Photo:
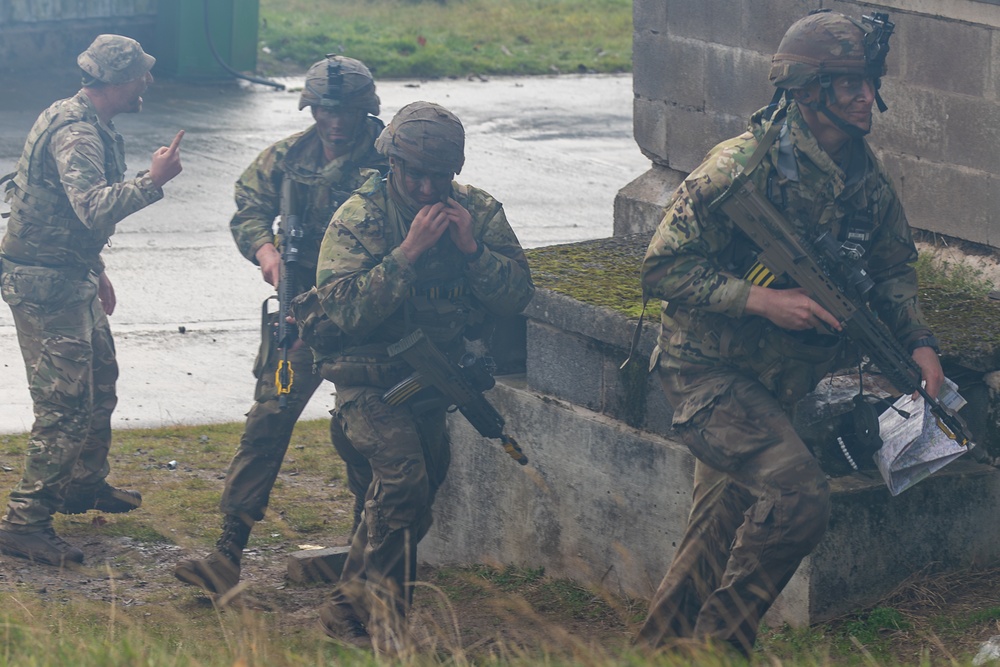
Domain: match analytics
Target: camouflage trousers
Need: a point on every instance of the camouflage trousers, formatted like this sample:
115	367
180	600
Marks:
409	457
268	431
69	356
760	505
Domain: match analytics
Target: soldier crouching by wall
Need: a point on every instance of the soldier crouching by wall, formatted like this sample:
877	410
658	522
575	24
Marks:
413	250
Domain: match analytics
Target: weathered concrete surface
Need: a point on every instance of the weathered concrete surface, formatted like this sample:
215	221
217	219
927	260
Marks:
575	352
36	36
313	566
606	505
553	149
698	79
599	502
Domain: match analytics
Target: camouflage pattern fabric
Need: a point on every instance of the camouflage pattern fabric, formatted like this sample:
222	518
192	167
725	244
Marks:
322	187
115	59
370	290
697	262
266	436
729	376
69	191
69	355
66	198
425	134
409	457
339	81
733	561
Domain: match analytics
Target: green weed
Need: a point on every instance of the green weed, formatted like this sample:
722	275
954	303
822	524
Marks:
952	277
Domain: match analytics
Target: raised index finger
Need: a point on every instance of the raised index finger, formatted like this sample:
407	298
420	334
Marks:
176	142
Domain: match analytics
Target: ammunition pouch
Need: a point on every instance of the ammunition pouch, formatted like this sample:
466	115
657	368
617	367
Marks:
789	364
358	369
315	328
268	344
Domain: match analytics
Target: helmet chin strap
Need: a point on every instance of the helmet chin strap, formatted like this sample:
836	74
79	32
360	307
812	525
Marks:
820	106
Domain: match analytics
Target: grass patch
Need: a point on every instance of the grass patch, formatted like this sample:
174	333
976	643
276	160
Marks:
954	278
452	38
124	607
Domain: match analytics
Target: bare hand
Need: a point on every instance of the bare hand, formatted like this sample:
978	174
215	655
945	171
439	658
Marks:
790	309
930	370
270	263
460	227
106	294
425	230
167	161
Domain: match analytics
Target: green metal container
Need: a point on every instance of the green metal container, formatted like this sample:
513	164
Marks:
182	46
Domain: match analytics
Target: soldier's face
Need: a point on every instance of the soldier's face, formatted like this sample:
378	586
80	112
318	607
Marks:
422	185
337	128
130	93
853	98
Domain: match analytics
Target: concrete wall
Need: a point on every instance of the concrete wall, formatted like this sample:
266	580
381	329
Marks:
700	70
605	503
45	34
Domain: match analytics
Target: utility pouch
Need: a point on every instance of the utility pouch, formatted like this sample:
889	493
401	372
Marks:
315	328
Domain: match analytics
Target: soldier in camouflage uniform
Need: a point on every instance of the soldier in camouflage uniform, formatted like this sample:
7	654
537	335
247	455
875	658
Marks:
67	196
736	350
413	250
325	163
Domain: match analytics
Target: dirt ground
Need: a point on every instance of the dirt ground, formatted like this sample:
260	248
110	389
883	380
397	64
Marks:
453	610
944	617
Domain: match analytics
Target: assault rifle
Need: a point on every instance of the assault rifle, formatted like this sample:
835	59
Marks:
291	234
834	275
440	382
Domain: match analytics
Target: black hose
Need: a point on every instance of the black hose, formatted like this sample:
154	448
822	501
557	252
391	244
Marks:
225	66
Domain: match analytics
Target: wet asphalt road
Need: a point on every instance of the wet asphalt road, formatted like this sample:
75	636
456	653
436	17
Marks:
554	150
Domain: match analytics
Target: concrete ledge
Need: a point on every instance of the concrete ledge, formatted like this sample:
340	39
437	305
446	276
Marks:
575	352
599	502
316	565
639	205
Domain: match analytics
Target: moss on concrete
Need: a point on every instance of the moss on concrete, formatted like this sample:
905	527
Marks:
604	272
967	326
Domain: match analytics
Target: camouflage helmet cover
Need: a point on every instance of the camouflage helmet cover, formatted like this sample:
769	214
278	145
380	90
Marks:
822	43
337	81
425	134
115	59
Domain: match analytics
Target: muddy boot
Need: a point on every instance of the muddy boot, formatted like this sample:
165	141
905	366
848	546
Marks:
105	499
218	572
41	545
343	626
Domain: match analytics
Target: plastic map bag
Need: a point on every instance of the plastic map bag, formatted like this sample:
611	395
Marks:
914	447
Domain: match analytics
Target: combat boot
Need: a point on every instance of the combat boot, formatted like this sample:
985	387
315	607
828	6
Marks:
343	626
105	499
219	572
40	545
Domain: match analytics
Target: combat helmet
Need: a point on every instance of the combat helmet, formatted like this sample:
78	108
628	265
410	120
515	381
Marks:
114	59
427	134
826	44
338	81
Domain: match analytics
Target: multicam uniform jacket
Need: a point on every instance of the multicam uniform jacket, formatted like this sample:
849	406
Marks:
371	291
68	192
702	267
320	189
